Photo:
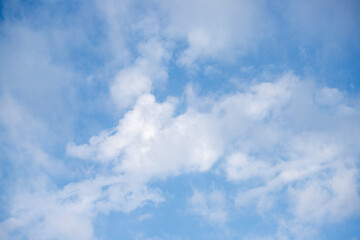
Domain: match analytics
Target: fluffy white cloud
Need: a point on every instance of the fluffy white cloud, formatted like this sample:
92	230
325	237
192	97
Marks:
137	143
255	130
194	140
286	136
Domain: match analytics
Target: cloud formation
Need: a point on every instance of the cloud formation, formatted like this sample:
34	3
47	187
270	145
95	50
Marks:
260	136
220	113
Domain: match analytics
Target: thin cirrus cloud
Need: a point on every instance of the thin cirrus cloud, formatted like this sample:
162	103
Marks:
144	124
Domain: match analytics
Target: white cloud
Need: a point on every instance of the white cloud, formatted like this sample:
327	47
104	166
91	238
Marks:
137	144
288	135
239	167
255	130
211	207
214	29
330	199
68	213
139	78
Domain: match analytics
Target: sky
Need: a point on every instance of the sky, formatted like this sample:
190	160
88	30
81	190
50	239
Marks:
180	119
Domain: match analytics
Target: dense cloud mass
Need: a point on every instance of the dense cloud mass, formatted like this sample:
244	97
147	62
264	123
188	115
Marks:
179	119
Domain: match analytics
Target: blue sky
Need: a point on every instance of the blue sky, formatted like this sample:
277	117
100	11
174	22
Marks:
179	119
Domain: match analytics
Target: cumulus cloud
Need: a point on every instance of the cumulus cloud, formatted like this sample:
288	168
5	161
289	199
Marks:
137	143
254	130
285	143
194	140
256	126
